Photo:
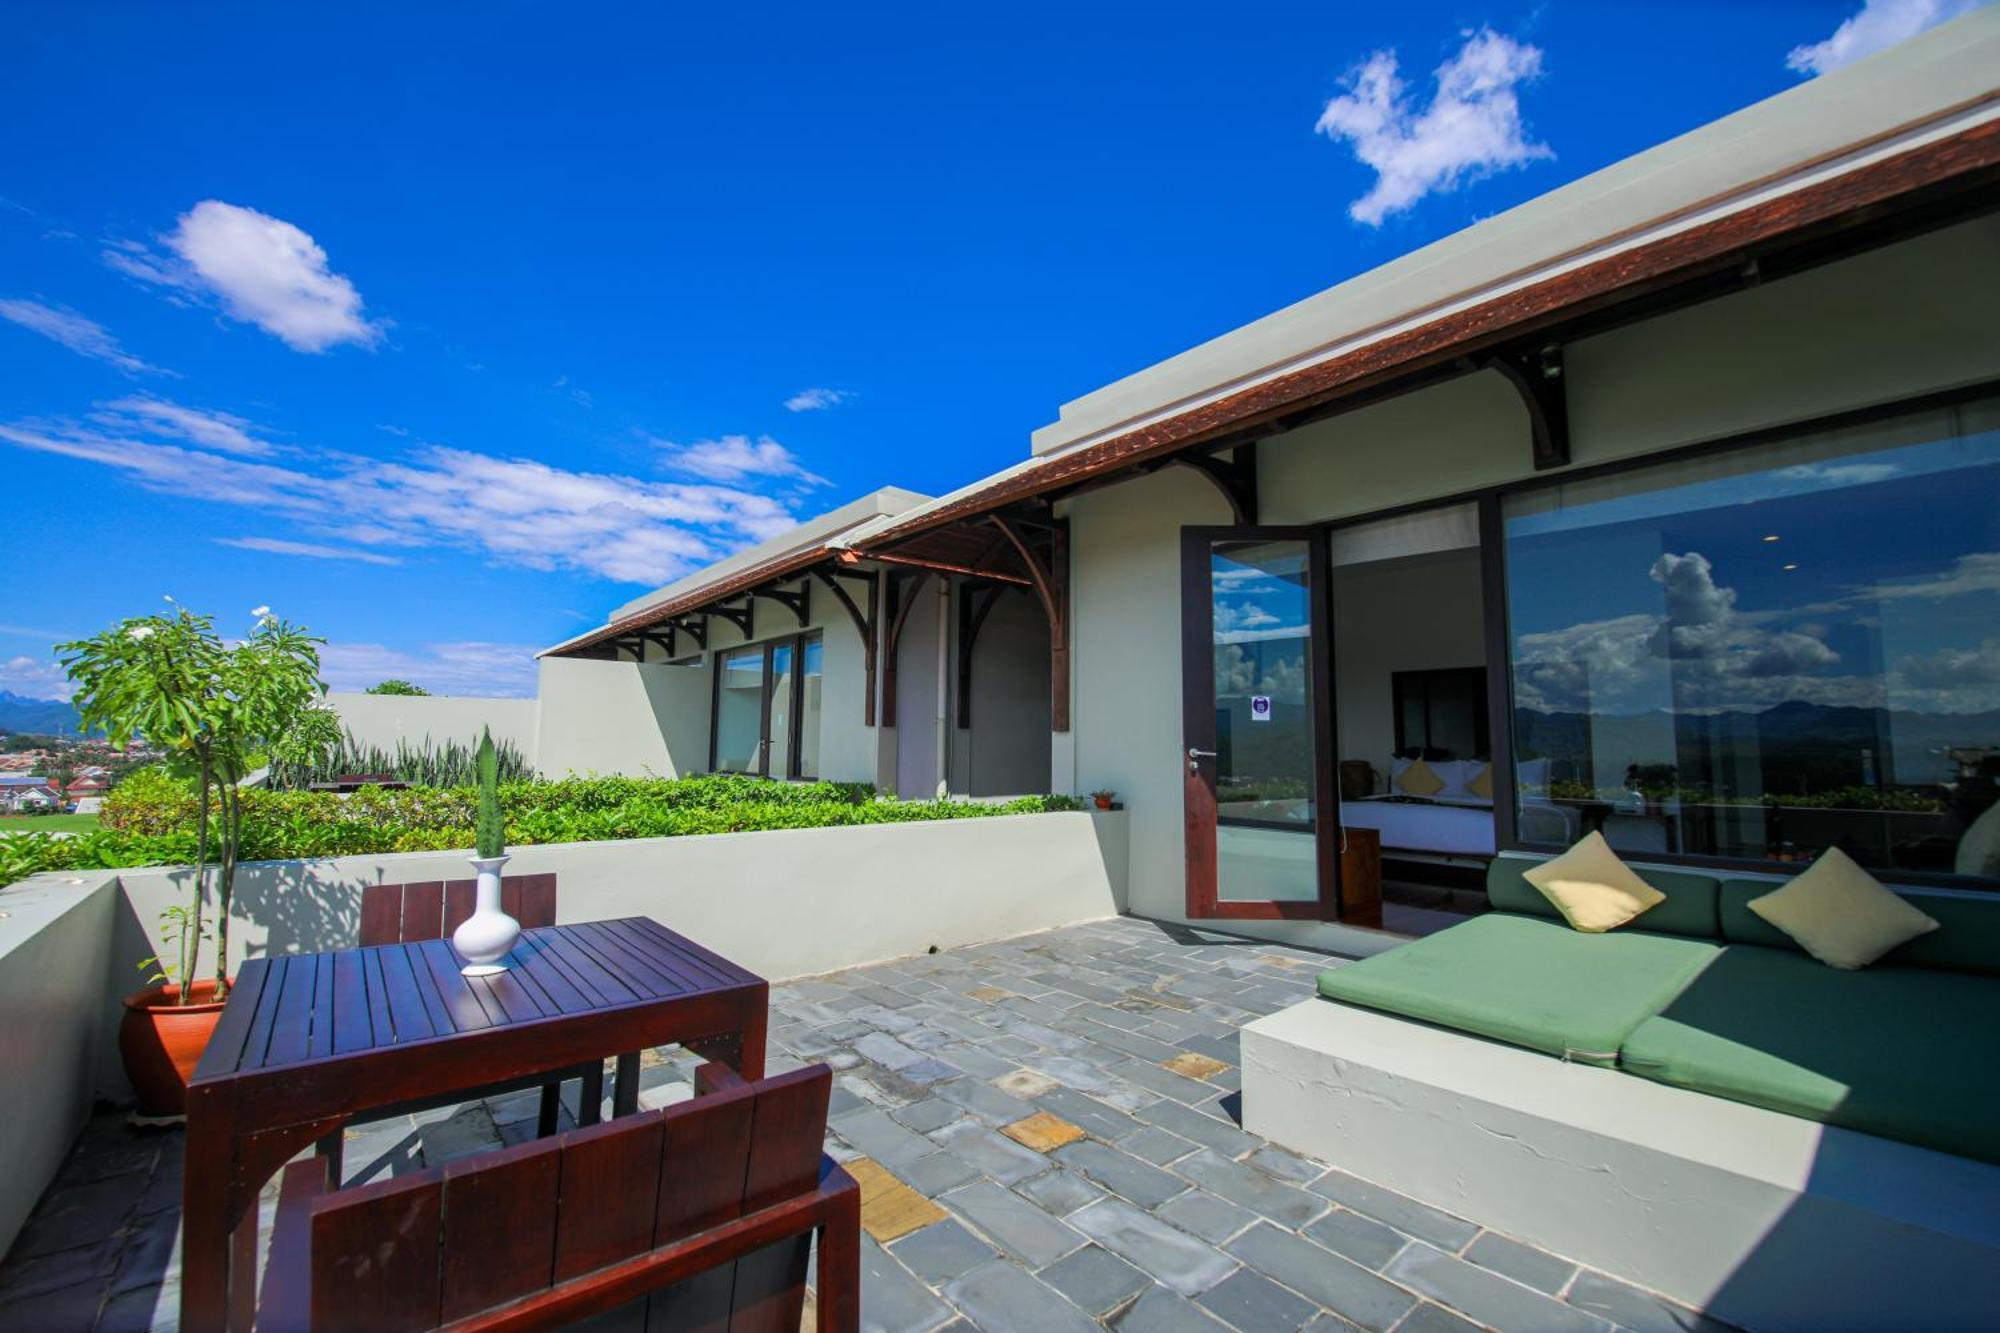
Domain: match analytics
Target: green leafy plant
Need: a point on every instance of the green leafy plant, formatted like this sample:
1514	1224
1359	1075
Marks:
489	830
394	686
431	764
218	710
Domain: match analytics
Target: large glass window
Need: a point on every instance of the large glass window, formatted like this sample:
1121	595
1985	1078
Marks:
1766	653
767	708
739	711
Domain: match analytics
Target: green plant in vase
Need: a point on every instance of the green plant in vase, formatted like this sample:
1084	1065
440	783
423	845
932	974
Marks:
484	938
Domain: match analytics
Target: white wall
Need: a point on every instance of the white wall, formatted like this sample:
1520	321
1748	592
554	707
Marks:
785	903
55	979
1914	319
623	718
915	735
1421	613
381	720
1004	752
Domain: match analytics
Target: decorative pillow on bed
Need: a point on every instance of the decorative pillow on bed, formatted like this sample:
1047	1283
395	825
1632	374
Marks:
1419	779
1841	914
1482	786
1592	888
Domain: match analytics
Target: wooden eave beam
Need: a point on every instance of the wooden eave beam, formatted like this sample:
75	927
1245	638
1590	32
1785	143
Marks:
952	567
903	590
1051	581
744	617
1537	376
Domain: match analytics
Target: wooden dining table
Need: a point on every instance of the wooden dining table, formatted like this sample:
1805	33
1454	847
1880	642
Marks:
309	1042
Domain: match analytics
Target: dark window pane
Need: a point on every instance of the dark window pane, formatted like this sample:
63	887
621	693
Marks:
1762	654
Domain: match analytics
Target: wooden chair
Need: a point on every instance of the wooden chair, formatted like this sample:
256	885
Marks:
705	1209
432	910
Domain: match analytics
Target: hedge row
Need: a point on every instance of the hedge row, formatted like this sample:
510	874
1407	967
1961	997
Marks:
149	819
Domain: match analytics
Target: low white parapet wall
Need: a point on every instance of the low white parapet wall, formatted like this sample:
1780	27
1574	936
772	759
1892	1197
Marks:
55	952
1766	1220
783	903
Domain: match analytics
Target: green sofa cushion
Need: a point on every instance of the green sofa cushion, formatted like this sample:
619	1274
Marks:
1967	938
1688	911
1899	1052
1525	981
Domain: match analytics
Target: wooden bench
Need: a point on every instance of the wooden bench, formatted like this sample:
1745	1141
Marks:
705	1209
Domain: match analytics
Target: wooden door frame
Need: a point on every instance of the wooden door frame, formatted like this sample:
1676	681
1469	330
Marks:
1198	726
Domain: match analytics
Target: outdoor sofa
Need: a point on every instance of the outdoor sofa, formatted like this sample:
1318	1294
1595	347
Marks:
1702	993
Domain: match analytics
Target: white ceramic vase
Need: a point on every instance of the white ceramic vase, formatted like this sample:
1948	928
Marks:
484	938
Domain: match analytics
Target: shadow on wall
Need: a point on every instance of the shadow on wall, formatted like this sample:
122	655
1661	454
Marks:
678	696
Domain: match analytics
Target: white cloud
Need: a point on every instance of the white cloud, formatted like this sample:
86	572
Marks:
515	511
735	457
1879	25
34	678
504	670
312	550
1471	129
217	430
816	400
83	336
264	270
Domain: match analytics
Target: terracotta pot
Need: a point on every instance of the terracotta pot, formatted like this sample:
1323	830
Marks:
1103	802
162	1041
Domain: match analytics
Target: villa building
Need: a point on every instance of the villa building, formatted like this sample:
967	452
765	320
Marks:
1666	504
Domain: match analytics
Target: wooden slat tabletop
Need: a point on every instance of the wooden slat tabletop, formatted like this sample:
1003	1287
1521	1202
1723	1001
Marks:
296	1008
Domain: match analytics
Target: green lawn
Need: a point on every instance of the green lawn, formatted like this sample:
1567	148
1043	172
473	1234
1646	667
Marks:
47	823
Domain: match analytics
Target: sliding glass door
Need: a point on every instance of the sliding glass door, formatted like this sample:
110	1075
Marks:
1261	826
767	708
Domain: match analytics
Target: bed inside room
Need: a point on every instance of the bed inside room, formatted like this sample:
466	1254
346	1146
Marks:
1411	697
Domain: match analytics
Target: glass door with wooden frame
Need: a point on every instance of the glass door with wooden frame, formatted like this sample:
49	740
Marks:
1256	756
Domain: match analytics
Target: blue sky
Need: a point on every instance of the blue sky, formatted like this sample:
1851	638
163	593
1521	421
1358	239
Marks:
445	329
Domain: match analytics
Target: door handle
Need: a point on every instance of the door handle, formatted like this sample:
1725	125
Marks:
1194	753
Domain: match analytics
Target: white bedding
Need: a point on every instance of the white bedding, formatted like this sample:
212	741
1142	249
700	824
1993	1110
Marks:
1446	828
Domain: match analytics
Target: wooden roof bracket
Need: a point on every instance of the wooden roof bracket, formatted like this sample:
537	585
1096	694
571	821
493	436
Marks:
1235	477
694	629
865	625
972	612
1538	377
798	602
1050	573
744	617
903	590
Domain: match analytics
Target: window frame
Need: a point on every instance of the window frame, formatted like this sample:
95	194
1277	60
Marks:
767	649
1498	633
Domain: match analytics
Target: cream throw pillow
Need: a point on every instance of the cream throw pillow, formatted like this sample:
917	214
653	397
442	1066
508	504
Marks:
1482	786
1592	888
1841	914
1420	779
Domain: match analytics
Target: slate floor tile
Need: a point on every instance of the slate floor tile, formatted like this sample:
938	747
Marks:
892	1301
1340	1285
1251	1302
1162	1311
1095	1280
1172	1256
1631	1308
941	1251
1121	1173
1486	1297
1524	1263
1203	1214
1000	1297
1362	1239
1285	1204
1013	1223
1405	1214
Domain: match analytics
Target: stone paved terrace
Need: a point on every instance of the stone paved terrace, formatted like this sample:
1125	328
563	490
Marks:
1045	1132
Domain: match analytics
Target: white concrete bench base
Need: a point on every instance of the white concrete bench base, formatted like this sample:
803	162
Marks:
1765	1220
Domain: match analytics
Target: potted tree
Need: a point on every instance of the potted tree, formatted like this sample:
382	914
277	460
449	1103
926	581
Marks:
211	707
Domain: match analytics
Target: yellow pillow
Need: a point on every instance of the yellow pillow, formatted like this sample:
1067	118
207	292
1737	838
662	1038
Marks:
1482	786
1592	888
1841	914
1420	779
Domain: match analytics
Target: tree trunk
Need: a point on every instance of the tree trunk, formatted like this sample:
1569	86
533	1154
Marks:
231	809
191	935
